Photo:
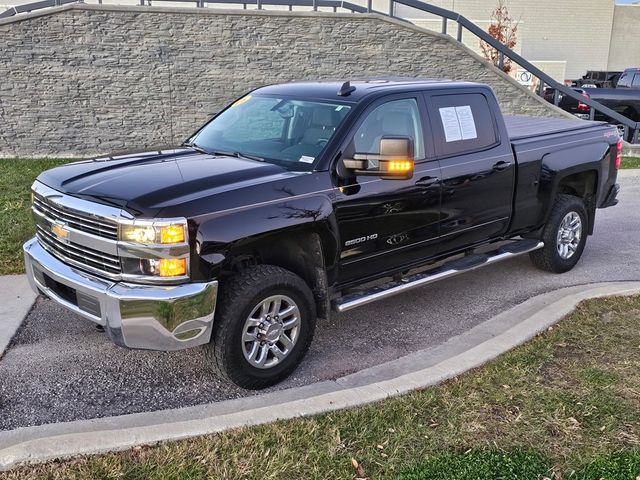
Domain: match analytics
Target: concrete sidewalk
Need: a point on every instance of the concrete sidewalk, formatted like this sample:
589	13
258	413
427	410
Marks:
16	299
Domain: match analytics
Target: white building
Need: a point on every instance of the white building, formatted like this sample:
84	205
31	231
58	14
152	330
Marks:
565	39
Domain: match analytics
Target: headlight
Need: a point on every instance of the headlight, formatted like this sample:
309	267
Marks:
152	233
154	249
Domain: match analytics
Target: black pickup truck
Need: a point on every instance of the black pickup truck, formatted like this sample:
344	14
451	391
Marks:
624	98
303	198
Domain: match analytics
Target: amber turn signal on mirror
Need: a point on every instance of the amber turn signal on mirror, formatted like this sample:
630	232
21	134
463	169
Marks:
400	166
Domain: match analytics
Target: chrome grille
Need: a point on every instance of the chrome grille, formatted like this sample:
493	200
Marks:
81	256
84	234
78	255
78	220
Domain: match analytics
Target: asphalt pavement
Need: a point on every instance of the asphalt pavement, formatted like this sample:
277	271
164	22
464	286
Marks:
60	368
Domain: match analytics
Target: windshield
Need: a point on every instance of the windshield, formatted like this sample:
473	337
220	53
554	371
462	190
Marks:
284	131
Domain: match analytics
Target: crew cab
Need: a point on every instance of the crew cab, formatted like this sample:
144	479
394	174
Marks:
303	199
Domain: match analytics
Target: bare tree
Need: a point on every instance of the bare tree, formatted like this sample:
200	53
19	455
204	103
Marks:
504	29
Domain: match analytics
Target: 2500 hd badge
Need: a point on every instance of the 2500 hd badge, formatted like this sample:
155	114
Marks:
262	221
355	241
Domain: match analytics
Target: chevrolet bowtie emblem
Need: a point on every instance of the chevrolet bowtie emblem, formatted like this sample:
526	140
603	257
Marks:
60	231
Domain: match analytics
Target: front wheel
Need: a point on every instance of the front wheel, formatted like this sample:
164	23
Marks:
564	236
263	326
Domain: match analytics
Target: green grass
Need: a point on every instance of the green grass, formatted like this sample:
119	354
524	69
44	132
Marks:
617	466
15	217
630	162
481	465
565	405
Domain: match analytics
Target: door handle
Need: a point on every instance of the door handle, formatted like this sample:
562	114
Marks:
427	181
501	165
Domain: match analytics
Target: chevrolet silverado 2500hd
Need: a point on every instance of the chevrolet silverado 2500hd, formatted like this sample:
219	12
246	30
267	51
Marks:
303	198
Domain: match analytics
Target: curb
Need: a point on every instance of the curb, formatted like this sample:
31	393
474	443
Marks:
16	300
418	370
631	150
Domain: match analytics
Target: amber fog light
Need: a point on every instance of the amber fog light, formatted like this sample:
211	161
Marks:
172	267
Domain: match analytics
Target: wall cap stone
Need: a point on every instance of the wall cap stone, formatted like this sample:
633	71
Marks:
187	11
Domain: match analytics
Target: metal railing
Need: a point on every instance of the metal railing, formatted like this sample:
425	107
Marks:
314	4
631	128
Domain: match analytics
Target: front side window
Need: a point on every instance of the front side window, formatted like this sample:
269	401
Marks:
394	118
636	80
285	131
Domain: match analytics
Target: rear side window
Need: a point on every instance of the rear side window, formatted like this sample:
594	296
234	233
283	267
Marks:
625	80
462	123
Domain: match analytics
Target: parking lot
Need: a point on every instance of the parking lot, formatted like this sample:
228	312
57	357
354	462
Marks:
60	368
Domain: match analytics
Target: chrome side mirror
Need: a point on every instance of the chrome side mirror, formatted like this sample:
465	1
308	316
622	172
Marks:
395	161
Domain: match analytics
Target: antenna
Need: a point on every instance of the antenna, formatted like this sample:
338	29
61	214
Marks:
346	89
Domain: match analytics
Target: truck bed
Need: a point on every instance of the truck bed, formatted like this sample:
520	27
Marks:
522	127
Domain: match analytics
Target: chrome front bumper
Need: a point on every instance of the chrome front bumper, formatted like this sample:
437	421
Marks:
154	317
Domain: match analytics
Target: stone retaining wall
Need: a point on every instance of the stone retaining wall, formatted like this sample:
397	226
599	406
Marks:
82	80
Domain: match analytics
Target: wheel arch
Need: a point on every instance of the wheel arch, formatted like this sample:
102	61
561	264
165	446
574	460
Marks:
631	111
584	185
300	236
303	253
566	172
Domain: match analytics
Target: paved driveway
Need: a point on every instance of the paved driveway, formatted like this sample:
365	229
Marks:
60	368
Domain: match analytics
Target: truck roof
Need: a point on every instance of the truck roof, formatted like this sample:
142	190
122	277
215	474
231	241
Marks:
328	90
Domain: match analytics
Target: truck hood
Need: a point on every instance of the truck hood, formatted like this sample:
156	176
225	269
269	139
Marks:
145	183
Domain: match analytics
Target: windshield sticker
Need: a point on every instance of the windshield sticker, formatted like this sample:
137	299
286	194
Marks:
458	123
305	159
242	100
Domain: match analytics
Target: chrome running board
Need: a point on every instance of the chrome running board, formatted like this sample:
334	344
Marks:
449	269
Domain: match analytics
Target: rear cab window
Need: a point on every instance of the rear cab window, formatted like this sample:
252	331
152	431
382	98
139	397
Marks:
462	123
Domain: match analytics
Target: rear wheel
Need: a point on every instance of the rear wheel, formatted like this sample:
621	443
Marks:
263	327
564	236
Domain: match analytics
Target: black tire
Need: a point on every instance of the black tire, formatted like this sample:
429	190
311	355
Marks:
238	298
548	258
